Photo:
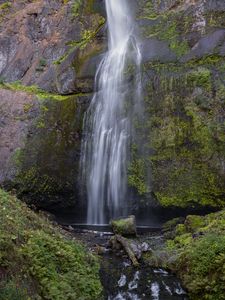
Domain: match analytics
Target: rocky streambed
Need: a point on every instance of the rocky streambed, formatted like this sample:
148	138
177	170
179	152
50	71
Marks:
120	279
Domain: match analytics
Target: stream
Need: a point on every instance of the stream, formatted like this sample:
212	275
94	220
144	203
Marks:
121	281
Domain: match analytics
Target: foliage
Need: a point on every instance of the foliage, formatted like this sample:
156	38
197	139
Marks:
5	5
39	261
76	7
200	259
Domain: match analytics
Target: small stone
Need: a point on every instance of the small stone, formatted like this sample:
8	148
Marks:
145	247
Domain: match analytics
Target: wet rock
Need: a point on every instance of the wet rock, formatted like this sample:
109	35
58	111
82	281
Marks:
114	244
136	248
100	250
207	45
122	281
124	226
145	247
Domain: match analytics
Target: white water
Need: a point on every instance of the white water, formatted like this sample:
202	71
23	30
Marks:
108	121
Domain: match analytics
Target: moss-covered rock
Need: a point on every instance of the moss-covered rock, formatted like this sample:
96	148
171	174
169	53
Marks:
200	248
39	261
42	159
182	133
195	251
124	226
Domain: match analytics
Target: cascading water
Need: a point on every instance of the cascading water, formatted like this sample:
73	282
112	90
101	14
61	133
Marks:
108	121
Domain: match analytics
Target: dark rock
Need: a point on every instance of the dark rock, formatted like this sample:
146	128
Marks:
207	45
114	244
155	50
136	248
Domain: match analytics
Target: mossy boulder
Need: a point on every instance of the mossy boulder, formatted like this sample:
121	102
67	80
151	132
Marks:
199	245
124	226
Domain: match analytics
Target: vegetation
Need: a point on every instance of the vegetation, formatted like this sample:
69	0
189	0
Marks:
199	246
40	262
195	250
32	89
4	6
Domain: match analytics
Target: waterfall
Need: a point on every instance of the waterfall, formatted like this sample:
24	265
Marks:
108	120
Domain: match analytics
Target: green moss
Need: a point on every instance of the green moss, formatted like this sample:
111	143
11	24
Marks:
30	180
207	60
87	36
166	27
56	138
183	132
195	251
200	77
41	262
16	157
33	89
137	177
148	11
5	5
171	224
125	226
9	290
4	9
200	257
76	7
180	229
192	223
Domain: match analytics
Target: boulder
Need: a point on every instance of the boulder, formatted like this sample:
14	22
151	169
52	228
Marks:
124	226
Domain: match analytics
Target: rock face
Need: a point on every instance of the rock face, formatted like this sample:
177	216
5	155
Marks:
40	146
45	87
47	42
49	51
182	159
